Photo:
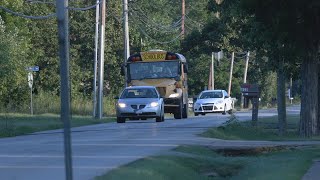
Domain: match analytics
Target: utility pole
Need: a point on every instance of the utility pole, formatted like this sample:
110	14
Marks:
212	71
290	90
230	78
95	65
63	35
126	38
183	18
101	59
245	77
210	80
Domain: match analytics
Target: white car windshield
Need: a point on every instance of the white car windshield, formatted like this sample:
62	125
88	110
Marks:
206	95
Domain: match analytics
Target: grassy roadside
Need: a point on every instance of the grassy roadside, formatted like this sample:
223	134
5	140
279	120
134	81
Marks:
20	124
203	163
198	162
267	129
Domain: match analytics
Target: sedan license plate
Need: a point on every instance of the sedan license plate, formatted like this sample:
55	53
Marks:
138	112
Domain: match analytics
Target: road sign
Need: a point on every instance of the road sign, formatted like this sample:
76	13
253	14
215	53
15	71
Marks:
30	79
33	68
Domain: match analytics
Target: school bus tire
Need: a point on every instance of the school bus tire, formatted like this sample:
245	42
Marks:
185	111
179	113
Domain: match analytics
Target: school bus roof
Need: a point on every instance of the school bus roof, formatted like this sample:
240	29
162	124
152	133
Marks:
155	55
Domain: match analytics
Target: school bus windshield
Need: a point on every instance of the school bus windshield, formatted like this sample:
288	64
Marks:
153	70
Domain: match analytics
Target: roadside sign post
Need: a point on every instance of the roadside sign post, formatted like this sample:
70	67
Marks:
30	82
252	91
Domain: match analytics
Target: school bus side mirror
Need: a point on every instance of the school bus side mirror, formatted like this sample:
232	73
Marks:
185	68
122	69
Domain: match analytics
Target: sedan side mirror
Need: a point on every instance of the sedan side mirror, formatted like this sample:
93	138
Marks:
195	99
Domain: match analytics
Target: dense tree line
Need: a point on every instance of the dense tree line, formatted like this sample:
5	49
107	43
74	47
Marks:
281	35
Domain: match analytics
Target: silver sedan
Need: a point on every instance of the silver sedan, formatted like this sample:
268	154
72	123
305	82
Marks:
140	102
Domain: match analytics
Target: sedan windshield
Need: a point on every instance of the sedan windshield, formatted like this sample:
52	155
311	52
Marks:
206	95
154	70
139	93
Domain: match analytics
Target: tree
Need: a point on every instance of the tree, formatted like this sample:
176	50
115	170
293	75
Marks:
296	24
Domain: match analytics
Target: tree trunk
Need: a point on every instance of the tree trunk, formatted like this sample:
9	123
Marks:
318	97
281	99
309	96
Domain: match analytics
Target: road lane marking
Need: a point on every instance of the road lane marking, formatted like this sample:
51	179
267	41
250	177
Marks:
61	156
137	145
57	167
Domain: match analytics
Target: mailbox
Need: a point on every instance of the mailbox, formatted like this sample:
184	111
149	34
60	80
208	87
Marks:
250	90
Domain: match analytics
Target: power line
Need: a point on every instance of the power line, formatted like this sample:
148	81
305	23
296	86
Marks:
172	30
148	21
27	16
40	2
161	42
85	8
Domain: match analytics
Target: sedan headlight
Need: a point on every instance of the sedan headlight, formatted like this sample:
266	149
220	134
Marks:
122	105
154	104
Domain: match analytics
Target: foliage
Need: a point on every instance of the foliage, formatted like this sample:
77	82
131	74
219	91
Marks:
209	27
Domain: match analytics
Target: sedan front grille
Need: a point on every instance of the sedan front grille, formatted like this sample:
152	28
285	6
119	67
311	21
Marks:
142	114
207	107
141	106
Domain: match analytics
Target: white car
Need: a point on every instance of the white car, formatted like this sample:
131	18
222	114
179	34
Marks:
211	101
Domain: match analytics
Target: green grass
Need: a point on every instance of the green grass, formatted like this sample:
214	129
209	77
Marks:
21	124
44	103
267	129
197	162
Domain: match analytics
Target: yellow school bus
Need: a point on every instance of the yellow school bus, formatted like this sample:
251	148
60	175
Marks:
166	71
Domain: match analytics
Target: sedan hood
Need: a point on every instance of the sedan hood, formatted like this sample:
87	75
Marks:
138	100
208	100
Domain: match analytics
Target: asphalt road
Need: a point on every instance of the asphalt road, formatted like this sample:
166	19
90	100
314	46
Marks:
99	148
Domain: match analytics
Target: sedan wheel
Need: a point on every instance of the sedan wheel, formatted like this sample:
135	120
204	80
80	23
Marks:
225	110
121	120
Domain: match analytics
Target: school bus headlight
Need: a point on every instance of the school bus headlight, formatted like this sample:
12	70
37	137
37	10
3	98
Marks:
174	95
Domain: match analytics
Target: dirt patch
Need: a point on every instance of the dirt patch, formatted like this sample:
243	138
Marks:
251	151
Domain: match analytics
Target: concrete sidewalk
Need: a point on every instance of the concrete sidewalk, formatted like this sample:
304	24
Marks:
314	172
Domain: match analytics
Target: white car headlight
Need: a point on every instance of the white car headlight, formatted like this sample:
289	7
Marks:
154	104
122	105
174	95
